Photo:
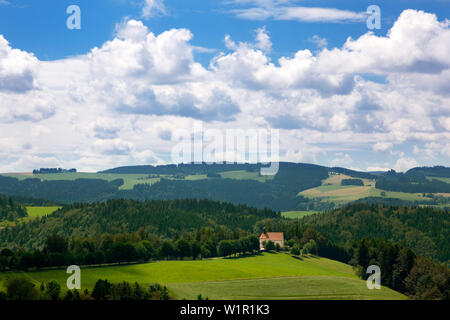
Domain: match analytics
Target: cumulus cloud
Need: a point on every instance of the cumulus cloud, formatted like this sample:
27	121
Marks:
17	69
404	164
124	99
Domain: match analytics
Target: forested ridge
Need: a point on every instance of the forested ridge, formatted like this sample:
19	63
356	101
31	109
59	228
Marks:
425	230
64	191
416	180
279	193
165	218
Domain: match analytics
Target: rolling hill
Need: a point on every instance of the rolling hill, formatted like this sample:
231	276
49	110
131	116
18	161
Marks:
296	186
267	276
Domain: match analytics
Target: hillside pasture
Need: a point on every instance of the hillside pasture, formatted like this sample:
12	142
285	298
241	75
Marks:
266	276
331	190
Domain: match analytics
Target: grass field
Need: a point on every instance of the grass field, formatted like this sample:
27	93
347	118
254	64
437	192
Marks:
297	214
34	212
267	276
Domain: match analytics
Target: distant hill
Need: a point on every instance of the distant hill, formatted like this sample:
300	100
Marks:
296	186
437	171
190	168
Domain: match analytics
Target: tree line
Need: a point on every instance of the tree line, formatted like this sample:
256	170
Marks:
20	288
403	270
126	248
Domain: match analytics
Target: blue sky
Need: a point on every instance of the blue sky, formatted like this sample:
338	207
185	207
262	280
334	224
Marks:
343	105
39	26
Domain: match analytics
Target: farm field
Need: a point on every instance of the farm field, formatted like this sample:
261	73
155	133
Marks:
266	276
332	190
297	214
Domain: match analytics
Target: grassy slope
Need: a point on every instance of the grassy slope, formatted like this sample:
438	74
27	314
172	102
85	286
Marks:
34	212
268	276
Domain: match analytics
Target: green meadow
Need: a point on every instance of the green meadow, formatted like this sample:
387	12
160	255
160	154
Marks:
35	212
266	276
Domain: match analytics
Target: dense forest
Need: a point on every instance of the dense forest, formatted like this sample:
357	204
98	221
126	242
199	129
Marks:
64	191
425	230
164	218
416	180
10	209
402	270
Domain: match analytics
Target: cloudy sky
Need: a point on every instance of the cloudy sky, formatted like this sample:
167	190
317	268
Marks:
114	92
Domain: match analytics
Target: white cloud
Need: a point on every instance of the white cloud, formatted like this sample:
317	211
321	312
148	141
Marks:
153	8
17	69
318	41
383	146
122	101
377	168
263	40
404	164
284	10
341	160
307	14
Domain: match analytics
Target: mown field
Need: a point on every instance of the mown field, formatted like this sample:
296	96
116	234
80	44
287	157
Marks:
331	190
267	276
